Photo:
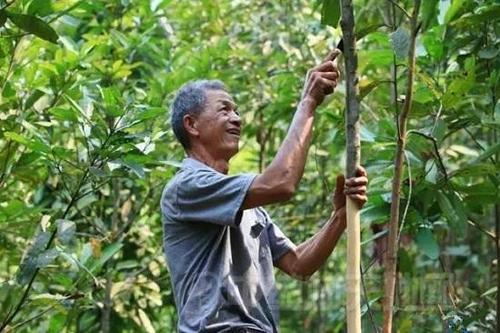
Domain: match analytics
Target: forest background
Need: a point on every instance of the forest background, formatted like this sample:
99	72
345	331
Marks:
86	148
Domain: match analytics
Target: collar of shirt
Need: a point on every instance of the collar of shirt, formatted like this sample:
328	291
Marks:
194	164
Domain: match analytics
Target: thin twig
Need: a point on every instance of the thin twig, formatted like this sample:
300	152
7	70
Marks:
478	144
400	8
369	309
480	228
403	218
436	149
31	319
11	64
64	12
437	118
7	4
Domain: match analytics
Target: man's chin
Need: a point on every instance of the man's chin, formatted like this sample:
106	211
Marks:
233	151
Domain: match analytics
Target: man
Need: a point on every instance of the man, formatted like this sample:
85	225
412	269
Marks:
219	242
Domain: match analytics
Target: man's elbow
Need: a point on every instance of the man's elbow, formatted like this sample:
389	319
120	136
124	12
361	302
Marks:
301	274
285	192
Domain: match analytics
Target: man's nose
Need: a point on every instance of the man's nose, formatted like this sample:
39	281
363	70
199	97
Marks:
235	118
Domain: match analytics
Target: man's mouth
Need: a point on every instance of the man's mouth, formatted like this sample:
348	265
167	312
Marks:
234	131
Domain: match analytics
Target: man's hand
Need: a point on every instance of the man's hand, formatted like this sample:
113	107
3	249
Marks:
310	255
321	80
354	187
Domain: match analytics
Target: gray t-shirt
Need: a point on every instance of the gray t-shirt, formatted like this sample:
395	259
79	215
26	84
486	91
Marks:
220	258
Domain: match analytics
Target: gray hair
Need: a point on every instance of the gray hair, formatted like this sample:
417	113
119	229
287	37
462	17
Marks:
190	99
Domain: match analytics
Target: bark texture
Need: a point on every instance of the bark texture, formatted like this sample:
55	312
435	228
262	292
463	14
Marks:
390	260
353	309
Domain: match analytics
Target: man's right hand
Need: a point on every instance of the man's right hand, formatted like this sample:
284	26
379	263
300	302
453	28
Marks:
321	80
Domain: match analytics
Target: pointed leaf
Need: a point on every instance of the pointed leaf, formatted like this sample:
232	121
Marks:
3	18
65	230
40	7
46	257
330	12
426	242
34	25
107	253
30	261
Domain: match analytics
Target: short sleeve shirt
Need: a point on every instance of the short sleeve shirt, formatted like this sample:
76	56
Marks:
220	257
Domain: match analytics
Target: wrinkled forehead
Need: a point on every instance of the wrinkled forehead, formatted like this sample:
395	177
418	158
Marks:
218	96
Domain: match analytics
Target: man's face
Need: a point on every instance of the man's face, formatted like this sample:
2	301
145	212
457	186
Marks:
219	124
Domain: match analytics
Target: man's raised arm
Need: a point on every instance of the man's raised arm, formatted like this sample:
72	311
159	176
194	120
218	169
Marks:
279	180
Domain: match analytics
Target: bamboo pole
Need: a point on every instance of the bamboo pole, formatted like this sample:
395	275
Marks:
352	161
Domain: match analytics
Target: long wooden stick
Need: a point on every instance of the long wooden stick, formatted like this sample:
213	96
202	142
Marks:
353	158
392	244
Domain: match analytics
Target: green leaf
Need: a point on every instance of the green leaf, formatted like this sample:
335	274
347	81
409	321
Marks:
5	47
63	114
46	257
107	253
40	7
133	166
456	91
475	170
366	87
35	96
452	207
488	53
366	30
330	13
34	25
30	261
151	112
429	13
492	150
65	230
375	213
12	208
426	242
431	171
400	40
480	15
112	101
406	263
453	10
34	144
433	42
3	18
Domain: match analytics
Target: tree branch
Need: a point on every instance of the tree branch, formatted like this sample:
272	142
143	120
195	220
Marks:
390	260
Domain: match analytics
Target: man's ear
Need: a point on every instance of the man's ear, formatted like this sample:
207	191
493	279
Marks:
191	125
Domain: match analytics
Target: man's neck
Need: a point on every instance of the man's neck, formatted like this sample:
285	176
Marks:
219	164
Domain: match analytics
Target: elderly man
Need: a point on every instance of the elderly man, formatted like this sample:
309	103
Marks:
220	244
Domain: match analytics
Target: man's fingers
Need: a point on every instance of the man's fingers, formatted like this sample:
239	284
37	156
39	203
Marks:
327	66
359	198
333	76
360	171
328	86
356	190
332	55
356	181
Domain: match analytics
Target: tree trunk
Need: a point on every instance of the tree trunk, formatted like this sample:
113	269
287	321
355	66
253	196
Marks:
392	244
353	157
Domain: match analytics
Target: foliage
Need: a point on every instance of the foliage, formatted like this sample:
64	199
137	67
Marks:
85	149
